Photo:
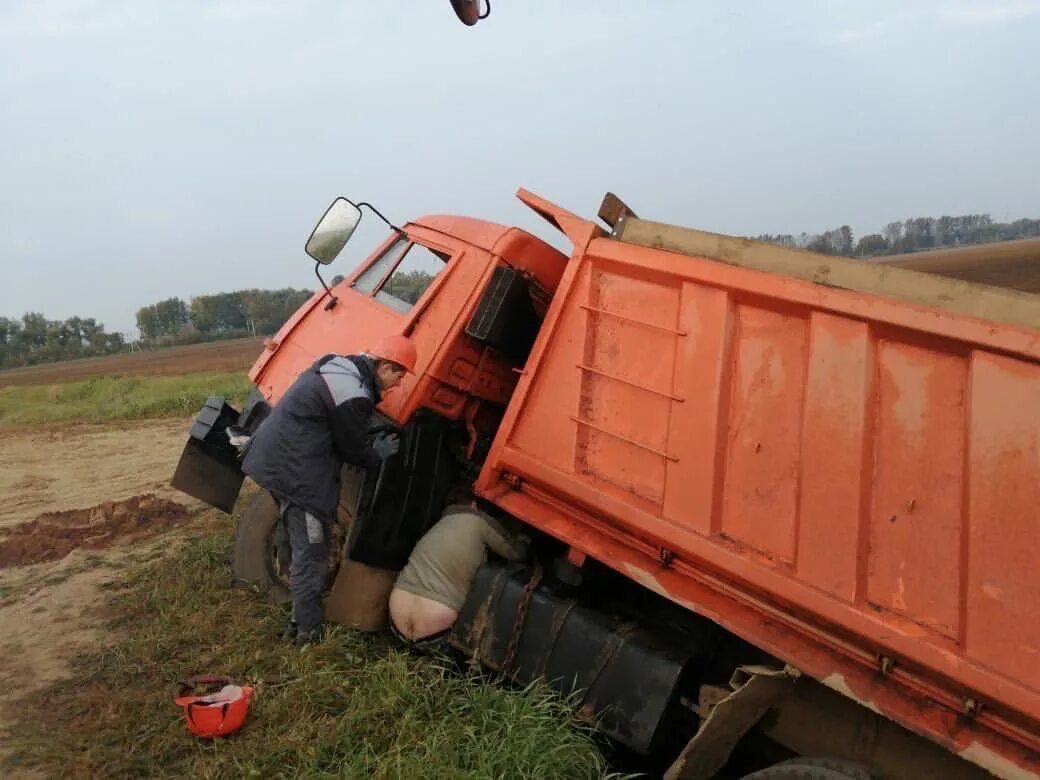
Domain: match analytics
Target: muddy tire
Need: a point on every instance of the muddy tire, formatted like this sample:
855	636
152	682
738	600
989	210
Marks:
260	553
254	558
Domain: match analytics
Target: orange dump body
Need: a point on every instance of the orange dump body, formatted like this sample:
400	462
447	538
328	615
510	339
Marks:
849	482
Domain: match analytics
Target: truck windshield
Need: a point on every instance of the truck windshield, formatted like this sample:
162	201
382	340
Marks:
400	276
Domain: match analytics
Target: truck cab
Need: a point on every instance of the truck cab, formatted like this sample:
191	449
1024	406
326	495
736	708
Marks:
451	284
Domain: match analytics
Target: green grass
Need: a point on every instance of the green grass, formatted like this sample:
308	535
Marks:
103	399
353	706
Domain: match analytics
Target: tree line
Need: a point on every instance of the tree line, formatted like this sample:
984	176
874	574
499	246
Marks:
221	316
408	286
35	339
910	235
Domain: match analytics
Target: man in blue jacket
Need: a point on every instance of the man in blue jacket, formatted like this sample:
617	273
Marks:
321	423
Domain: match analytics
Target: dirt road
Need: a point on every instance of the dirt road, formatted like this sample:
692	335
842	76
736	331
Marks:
80	503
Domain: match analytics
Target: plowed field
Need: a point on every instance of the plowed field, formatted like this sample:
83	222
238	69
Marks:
215	356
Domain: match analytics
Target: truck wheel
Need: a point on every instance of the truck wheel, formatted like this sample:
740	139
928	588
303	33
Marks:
814	768
260	554
259	558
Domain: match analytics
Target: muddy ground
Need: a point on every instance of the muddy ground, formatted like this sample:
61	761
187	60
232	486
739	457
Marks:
79	505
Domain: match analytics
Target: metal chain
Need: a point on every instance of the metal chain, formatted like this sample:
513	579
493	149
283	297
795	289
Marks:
521	618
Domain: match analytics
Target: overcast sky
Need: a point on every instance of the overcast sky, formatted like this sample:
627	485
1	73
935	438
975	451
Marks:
152	149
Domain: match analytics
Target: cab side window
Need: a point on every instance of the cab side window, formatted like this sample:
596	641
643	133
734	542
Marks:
402	274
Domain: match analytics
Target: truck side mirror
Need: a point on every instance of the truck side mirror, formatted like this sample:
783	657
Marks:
333	231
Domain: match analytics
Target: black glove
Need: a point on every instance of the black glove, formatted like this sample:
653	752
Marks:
386	445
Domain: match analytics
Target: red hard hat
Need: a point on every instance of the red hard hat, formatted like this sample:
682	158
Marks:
397	349
221	708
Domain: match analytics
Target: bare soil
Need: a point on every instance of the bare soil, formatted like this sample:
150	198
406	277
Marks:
53	535
80	504
76	467
216	356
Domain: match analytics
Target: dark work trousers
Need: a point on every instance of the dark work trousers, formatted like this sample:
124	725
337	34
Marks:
309	542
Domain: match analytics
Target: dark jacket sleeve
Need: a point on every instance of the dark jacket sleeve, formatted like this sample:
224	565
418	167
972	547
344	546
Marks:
350	432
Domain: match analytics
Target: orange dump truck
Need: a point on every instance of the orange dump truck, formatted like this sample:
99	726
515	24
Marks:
776	497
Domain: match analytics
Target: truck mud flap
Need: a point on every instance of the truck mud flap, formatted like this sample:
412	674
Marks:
209	468
623	677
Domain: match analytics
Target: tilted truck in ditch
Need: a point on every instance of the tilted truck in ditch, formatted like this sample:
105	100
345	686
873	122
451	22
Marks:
773	493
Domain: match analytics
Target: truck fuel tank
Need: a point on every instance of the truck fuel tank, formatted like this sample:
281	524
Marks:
625	677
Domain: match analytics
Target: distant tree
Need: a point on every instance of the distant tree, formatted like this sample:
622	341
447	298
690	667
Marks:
35	339
894	236
231	314
11	346
203	313
780	239
820	244
34	331
172	314
93	334
148	322
870	245
409	285
221	314
845	238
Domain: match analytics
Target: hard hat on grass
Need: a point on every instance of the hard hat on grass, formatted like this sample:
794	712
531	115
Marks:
213	706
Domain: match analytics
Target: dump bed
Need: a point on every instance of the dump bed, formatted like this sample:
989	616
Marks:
847	479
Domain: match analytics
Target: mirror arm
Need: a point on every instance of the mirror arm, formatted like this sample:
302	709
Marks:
333	300
375	211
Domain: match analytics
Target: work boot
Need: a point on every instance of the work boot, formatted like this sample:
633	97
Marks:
290	631
304	638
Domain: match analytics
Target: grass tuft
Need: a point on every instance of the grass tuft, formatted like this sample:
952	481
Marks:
353	706
102	399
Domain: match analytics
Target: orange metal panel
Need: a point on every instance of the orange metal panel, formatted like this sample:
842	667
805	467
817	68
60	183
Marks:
765	419
1003	548
836	450
916	511
698	422
625	381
